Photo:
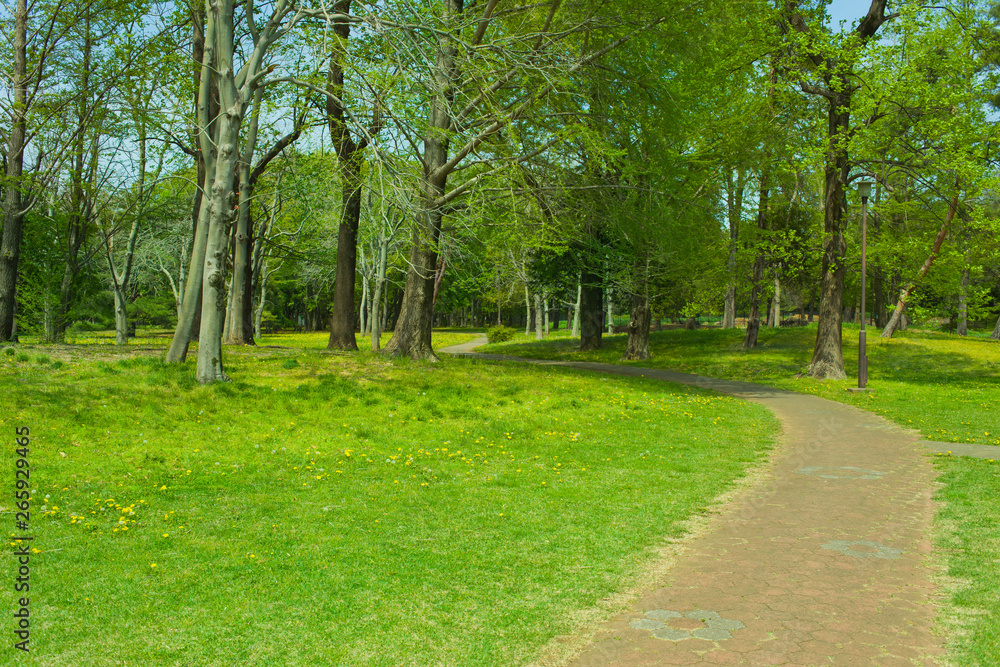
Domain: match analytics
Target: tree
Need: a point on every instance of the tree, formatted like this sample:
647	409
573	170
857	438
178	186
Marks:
471	101
827	69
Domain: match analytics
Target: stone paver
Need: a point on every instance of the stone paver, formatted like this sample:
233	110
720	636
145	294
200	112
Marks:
822	562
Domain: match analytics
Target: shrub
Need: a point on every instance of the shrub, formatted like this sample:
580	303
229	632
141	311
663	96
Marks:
499	334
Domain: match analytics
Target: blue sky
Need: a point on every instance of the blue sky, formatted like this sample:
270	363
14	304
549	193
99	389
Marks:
847	10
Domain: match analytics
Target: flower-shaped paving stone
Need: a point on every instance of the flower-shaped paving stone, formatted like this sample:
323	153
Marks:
715	627
840	472
868	549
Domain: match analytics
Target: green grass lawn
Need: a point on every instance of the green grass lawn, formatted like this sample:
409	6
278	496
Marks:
347	509
155	338
943	385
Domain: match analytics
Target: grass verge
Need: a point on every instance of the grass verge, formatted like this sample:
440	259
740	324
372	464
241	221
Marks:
946	386
943	385
328	508
968	536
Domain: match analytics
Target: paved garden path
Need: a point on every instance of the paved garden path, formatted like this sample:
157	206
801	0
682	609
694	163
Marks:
822	562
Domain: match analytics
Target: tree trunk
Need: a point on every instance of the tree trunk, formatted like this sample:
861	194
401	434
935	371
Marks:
213	306
963	305
878	289
13	215
83	171
527	310
545	306
191	304
777	301
637	347
996	331
235	333
904	295
219	40
377	315
342	323
350	155
591	311
576	308
828	353
734	207
640	315
753	318
120	282
538	316
412	336
363	311
609	309
207	110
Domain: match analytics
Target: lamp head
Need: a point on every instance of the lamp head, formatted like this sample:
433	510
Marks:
865	189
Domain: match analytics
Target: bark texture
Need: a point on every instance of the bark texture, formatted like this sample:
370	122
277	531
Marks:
734	206
756	280
591	311
539	326
412	334
837	89
640	317
13	215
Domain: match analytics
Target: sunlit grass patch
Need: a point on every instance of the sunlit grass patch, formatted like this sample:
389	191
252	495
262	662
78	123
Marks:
968	527
943	385
366	510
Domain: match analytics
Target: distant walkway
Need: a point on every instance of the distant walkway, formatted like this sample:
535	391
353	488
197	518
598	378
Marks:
824	562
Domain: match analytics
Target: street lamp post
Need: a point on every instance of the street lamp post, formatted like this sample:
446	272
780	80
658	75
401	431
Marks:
864	190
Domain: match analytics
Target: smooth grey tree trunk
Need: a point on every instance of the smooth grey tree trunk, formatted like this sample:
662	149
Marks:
538	317
378	312
120	282
363	311
609	309
996	331
179	344
234	333
527	310
777	301
576	308
734	201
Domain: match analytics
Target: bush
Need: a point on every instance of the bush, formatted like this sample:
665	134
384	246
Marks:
499	334
87	326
